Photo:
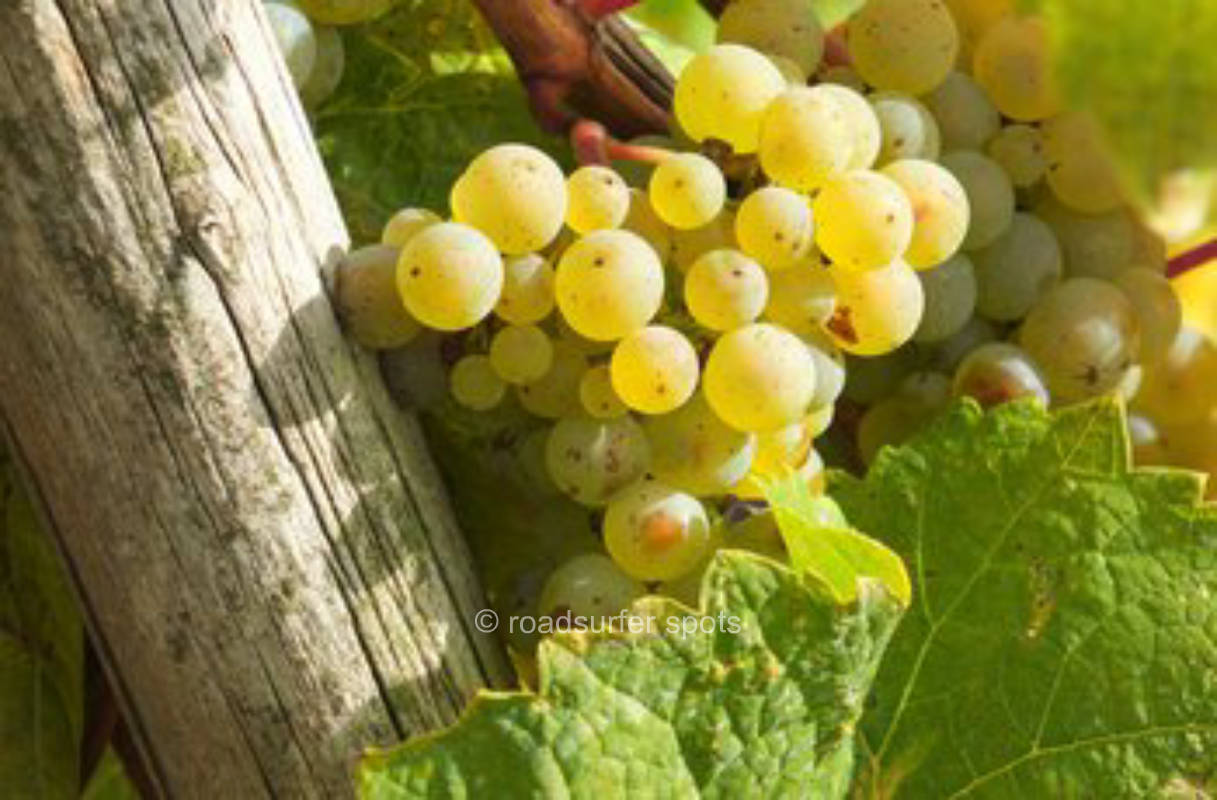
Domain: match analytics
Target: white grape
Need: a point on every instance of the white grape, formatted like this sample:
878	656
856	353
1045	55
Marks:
515	194
725	289
608	284
864	220
722	94
695	451
474	383
597	198
654	370
990	196
906	45
687	190
1017	269
656	533
950	298
759	377
590	460
877	310
449	276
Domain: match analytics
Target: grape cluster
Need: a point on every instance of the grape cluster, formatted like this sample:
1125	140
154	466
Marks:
926	218
311	45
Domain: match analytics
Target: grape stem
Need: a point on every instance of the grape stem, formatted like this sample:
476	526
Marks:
1190	259
596	9
592	144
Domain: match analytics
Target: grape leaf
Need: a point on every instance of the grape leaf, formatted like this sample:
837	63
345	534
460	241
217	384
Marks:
768	710
1062	640
109	781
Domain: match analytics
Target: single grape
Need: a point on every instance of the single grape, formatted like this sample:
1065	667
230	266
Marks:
327	69
474	383
642	220
940	210
402	226
997	373
1092	245
449	276
687	190
778	455
1019	150
819	419
1081	171
1084	335
296	39
877	310
905	45
608	284
515	194
597	395
556	393
1017	269
865	135
990	196
1159	312
521	353
863	220
344	12
774	226
590	588
947	354
830	369
528	290
759	378
932	389
656	533
654	369
725	289
869	380
597	198
974	18
367	299
965	115
950	299
1181	388
1013	62
908	128
722	93
788	29
590	460
805	138
696	452
802	299
688	246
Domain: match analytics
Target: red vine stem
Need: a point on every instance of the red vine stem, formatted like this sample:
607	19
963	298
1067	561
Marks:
595	9
592	144
1190	259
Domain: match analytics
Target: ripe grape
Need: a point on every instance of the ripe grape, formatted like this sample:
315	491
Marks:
805	139
368	302
449	276
950	298
556	393
402	226
863	220
906	45
528	290
688	246
802	299
474	383
656	533
588	587
908	128
521	353
296	39
327	69
1081	171
966	116
1159	311
1017	269
1019	149
608	284
788	29
974	18
597	198
778	454
990	196
998	372
597	395
830	369
819	419
725	289
590	460
515	194
940	210
1092	245
344	12
759	378
642	220
687	190
774	226
1013	63
1181	388
654	370
722	93
695	451
877	310
865	135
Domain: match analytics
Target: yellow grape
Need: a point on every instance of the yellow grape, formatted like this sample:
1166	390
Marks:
865	135
528	290
642	220
588	589
805	138
877	310
608	284
556	393
1181	388
515	194
1081	171
990	196
778	453
1013	62
656	533
368	301
774	226
590	460
819	419
597	198
1158	310
654	370
1019	149
474	383
909	129
863	220
725	289
905	45
788	29
402	226
695	451
449	276
597	395
759	378
722	93
521	353
688	246
974	18
687	190
940	210
802	299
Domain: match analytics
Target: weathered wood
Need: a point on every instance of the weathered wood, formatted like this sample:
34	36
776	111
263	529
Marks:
263	551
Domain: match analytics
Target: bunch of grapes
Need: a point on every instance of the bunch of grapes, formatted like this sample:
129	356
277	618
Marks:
926	218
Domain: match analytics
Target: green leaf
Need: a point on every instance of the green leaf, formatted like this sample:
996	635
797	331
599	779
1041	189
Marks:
109	781
1062	640
833	12
766	711
41	658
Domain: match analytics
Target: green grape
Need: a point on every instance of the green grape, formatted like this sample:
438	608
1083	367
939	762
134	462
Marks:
656	533
1148	443
367	299
528	290
344	12
940	210
778	454
597	395
642	220
694	451
1092	245
1081	171
830	369
868	380
556	394
1019	150
687	190
1084	335
865	134
966	116
889	423
947	354
997	373
449	276
950	299
1013	62
722	93
877	310
521	353
590	460
990	196
774	226
1181	388
531	458
688	246
725	289
327	70
608	284
789	29
908	128
759	378
402	226
1017	269
296	39
906	45
1159	311
475	385
842	75
802	299
863	220
515	194
654	370
596	198
805	138
588	588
